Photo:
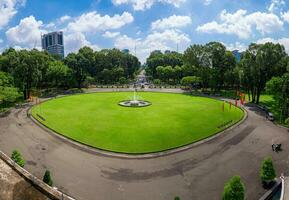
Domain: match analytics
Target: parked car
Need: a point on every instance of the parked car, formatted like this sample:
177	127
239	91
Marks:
270	116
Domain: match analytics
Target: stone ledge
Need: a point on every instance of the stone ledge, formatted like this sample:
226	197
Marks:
46	190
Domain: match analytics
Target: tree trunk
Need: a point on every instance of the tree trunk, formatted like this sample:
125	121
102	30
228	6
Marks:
258	95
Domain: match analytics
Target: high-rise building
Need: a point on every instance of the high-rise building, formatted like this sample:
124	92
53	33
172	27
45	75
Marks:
237	55
53	43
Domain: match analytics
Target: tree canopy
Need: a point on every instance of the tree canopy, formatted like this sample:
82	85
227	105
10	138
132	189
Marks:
234	189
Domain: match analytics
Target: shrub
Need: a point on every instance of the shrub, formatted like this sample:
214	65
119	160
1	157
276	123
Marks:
234	189
17	157
177	198
267	172
287	121
157	81
47	178
122	80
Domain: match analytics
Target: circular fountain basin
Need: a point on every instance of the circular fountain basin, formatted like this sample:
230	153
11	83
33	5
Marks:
134	103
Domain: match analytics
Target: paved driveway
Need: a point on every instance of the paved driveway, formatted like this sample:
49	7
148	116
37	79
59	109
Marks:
197	173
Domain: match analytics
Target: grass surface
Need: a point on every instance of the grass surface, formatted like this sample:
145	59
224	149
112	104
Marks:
171	121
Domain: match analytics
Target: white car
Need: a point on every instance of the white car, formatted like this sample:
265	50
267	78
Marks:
270	116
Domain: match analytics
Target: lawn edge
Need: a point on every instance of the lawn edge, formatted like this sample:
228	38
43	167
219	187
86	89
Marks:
108	153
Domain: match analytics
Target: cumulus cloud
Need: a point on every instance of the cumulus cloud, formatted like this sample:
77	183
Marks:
285	16
276	5
26	34
64	19
8	8
74	41
92	22
207	2
165	40
109	34
241	24
147	4
173	21
284	41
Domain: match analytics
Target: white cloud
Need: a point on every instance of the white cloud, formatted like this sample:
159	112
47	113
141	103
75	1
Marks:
173	21
1	41
207	2
241	24
74	41
64	19
285	16
284	41
276	5
92	22
166	40
109	34
147	4
26	34
8	8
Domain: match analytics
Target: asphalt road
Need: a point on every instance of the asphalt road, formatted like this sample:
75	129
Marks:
197	173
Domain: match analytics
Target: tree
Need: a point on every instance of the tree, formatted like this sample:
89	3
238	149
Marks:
47	178
6	80
157	58
78	70
9	94
279	88
221	61
17	157
234	189
287	121
122	80
57	73
86	59
267	172
191	81
260	63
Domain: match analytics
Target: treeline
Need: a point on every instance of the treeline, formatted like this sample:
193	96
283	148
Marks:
213	67
24	70
262	68
212	63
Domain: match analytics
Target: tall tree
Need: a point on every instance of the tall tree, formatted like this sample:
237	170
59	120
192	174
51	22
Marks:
260	63
78	69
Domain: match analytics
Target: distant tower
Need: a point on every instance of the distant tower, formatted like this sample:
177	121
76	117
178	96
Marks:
53	43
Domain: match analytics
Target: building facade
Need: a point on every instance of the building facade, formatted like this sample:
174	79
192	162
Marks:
53	43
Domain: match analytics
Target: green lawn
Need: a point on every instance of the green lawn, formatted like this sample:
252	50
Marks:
171	121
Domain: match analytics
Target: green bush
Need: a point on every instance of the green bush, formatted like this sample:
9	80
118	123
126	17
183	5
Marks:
177	198
234	189
17	157
122	80
267	172
287	121
47	178
157	81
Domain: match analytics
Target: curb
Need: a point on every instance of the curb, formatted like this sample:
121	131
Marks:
101	152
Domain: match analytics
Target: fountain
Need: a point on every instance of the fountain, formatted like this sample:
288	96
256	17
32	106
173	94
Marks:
134	102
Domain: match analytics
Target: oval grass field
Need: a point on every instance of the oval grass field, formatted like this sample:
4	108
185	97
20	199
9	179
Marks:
173	120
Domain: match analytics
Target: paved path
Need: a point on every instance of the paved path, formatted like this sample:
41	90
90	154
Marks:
198	173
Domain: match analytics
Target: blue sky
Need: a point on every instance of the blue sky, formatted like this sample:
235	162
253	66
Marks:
144	24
